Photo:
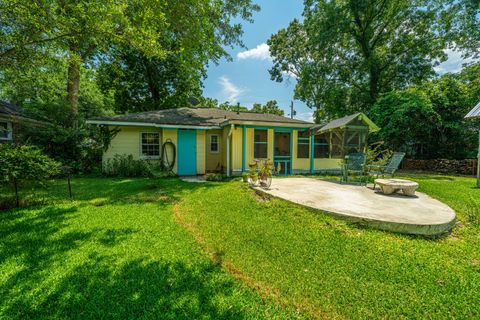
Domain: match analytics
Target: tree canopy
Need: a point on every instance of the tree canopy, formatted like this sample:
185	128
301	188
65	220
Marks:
84	32
346	53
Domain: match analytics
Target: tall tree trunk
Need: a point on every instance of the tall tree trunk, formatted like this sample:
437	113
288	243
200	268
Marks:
73	83
374	81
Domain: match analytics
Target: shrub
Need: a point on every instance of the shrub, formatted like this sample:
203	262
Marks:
215	177
126	166
21	162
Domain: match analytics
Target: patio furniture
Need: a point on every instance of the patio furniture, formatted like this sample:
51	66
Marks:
390	186
388	169
354	165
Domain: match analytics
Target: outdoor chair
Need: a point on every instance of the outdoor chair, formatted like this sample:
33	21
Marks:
388	169
354	166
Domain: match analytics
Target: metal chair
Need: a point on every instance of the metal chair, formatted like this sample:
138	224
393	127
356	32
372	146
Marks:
354	165
388	169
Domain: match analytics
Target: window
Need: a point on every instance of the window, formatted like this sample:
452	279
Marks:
5	130
260	144
214	143
303	144
150	145
321	149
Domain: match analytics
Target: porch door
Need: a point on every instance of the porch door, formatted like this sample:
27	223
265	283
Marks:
282	152
187	152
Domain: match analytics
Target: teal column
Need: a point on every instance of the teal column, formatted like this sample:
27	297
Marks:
312	159
244	147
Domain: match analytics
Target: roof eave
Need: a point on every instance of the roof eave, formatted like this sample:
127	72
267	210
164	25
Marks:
266	123
147	124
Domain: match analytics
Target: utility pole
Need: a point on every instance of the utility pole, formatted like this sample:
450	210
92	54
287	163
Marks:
292	111
238	107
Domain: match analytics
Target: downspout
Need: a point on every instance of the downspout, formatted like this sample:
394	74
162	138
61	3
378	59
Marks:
228	148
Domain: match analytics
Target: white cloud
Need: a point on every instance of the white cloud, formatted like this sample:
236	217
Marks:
454	62
261	52
230	91
305	116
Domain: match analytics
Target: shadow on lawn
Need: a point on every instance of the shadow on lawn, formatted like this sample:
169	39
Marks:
39	279
138	289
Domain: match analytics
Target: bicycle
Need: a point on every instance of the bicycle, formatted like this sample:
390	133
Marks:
262	177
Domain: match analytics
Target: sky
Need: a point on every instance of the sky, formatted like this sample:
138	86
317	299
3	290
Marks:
246	78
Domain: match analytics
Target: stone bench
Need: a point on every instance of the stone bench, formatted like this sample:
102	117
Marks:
389	186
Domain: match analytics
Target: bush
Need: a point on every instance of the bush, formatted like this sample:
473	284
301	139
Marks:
215	177
21	162
126	166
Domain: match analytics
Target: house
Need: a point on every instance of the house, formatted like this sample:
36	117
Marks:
13	121
215	140
10	122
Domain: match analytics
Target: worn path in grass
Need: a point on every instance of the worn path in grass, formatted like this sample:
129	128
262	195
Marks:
325	267
116	252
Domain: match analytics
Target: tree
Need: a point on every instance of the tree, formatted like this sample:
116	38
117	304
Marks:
271	107
141	82
450	100
347	52
21	163
232	107
80	31
462	20
407	120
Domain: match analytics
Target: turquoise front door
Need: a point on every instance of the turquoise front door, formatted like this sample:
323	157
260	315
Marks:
187	152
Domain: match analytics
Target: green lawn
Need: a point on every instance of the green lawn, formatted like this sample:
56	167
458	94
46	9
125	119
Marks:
140	248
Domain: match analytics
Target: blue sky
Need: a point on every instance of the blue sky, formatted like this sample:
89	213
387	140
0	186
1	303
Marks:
246	78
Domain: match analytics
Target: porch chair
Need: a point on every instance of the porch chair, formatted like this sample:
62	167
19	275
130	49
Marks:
388	169
354	165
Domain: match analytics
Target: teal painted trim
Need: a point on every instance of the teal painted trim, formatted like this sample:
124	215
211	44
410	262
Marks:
312	153
287	130
244	147
277	129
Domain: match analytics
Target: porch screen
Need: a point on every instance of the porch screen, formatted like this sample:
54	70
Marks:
303	144
321	146
260	144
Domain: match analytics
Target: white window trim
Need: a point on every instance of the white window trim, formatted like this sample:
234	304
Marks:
142	157
9	130
218	143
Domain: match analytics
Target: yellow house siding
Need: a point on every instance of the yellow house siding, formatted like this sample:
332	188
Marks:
171	135
225	139
300	164
237	149
250	146
214	160
201	151
127	142
270	147
327	164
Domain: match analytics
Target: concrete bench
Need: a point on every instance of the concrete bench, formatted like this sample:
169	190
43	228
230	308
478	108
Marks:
389	186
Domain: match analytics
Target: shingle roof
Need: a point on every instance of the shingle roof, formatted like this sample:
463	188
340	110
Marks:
197	117
338	123
475	112
8	108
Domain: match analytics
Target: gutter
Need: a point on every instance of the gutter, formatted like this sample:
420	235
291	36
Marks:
146	124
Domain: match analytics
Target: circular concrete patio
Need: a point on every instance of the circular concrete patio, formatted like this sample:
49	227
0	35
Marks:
421	214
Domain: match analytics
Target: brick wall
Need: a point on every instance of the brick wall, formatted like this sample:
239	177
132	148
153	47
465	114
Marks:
466	167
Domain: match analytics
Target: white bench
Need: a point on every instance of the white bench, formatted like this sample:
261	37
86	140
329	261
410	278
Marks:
389	186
